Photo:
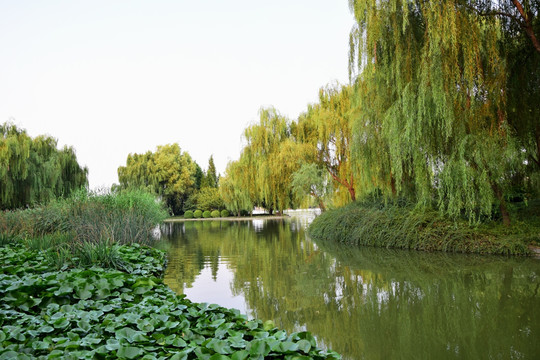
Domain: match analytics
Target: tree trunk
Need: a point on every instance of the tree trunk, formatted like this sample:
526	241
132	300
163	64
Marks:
502	204
537	137
352	193
347	184
393	185
527	24
321	205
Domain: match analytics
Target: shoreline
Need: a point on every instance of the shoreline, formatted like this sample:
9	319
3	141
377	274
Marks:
231	218
401	227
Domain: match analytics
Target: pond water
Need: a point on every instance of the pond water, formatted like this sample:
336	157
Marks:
364	303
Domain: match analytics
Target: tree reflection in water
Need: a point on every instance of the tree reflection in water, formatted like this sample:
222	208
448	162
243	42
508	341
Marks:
362	302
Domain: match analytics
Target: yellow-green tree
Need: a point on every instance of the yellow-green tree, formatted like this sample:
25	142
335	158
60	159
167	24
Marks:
432	90
168	172
326	126
235	188
272	156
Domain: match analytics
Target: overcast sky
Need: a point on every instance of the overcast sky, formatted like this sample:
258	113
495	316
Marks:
117	77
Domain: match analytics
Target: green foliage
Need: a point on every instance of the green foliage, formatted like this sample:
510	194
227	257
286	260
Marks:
210	178
168	172
235	189
262	174
224	213
206	214
327	127
198	176
310	180
215	213
208	198
109	314
188	214
430	118
197	214
122	217
400	225
33	170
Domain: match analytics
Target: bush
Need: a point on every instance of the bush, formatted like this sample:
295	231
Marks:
215	213
224	213
206	214
188	214
197	214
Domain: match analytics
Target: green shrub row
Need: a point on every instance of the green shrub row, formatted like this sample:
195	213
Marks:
402	226
197	214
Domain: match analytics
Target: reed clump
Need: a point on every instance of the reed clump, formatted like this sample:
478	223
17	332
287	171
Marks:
401	225
87	227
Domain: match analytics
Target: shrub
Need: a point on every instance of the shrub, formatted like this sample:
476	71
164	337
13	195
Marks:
206	214
188	214
224	213
197	214
208	198
215	213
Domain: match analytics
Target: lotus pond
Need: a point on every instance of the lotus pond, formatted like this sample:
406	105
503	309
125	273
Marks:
364	303
94	313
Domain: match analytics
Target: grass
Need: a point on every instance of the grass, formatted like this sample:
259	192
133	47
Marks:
85	228
393	225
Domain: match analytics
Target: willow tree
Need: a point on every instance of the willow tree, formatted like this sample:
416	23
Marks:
326	126
235	188
168	172
311	180
34	170
271	156
439	79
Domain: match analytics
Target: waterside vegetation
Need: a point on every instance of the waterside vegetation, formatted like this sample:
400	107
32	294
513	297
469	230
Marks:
97	313
76	283
400	225
440	113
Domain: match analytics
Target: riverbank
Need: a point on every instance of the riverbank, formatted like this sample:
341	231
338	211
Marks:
231	218
123	313
393	226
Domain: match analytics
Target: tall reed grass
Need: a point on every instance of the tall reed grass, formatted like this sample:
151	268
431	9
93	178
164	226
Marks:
87	227
395	225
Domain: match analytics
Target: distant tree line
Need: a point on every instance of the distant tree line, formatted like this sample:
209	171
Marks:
34	171
172	174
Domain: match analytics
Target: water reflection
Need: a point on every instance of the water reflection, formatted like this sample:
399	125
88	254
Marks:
364	303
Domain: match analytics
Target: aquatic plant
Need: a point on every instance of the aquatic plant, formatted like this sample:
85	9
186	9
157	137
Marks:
78	313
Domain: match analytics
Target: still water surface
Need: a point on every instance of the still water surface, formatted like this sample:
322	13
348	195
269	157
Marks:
365	303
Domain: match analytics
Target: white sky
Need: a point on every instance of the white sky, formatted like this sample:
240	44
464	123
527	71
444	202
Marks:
117	77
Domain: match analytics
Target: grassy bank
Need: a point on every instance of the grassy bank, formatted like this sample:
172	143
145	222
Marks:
76	283
401	226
